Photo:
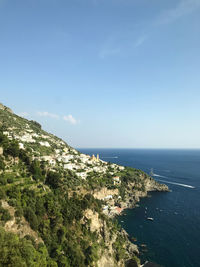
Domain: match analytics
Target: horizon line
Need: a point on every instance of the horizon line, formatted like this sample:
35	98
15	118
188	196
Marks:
152	148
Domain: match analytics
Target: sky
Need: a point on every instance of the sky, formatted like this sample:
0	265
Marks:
104	73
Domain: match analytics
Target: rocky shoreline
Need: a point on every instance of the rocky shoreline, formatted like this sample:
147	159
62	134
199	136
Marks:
133	196
132	203
116	206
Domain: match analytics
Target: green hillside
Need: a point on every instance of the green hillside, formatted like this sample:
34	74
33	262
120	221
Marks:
53	199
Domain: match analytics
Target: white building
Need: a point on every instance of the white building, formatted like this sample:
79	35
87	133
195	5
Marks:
27	138
45	143
108	197
69	166
116	180
21	146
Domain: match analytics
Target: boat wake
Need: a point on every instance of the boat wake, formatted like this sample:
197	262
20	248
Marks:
157	175
110	157
184	185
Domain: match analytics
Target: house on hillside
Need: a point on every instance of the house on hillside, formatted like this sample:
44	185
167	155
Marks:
50	160
21	145
116	180
45	143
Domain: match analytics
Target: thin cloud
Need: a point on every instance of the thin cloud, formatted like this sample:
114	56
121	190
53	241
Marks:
125	41
109	47
122	43
70	119
185	7
140	40
47	114
23	114
108	52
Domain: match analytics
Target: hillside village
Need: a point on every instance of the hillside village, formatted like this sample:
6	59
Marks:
57	154
63	156
54	195
55	151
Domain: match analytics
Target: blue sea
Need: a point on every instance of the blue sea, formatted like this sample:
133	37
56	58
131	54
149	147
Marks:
173	237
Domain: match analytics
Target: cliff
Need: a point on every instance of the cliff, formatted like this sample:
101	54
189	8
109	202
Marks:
58	204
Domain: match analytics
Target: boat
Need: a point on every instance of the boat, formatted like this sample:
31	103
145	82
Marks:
134	239
150	219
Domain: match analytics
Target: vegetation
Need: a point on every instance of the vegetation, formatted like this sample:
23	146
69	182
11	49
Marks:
53	201
22	252
55	216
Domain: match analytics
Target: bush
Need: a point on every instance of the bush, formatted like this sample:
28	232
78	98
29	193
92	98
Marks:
53	179
4	215
19	213
20	252
31	218
2	164
3	180
10	180
36	124
12	149
2	194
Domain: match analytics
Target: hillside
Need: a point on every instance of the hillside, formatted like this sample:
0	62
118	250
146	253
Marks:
57	204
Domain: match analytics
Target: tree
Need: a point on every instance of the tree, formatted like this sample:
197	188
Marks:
31	218
36	170
12	149
53	179
2	164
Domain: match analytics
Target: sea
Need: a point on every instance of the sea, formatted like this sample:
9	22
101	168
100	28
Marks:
172	238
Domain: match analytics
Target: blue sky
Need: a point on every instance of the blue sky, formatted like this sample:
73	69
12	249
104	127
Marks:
104	73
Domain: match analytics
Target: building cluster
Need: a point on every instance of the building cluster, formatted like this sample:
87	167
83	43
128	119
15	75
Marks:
56	153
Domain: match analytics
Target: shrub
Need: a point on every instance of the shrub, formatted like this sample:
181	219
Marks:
2	194
4	215
31	218
53	179
2	164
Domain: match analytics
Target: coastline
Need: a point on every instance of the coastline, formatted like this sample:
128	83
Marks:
131	203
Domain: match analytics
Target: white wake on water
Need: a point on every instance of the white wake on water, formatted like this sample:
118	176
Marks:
184	185
110	157
157	175
169	182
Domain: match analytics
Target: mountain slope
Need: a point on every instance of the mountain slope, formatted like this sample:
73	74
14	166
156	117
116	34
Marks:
59	202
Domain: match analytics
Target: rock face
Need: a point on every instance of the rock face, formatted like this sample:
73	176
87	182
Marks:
135	192
152	185
110	236
23	228
104	192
